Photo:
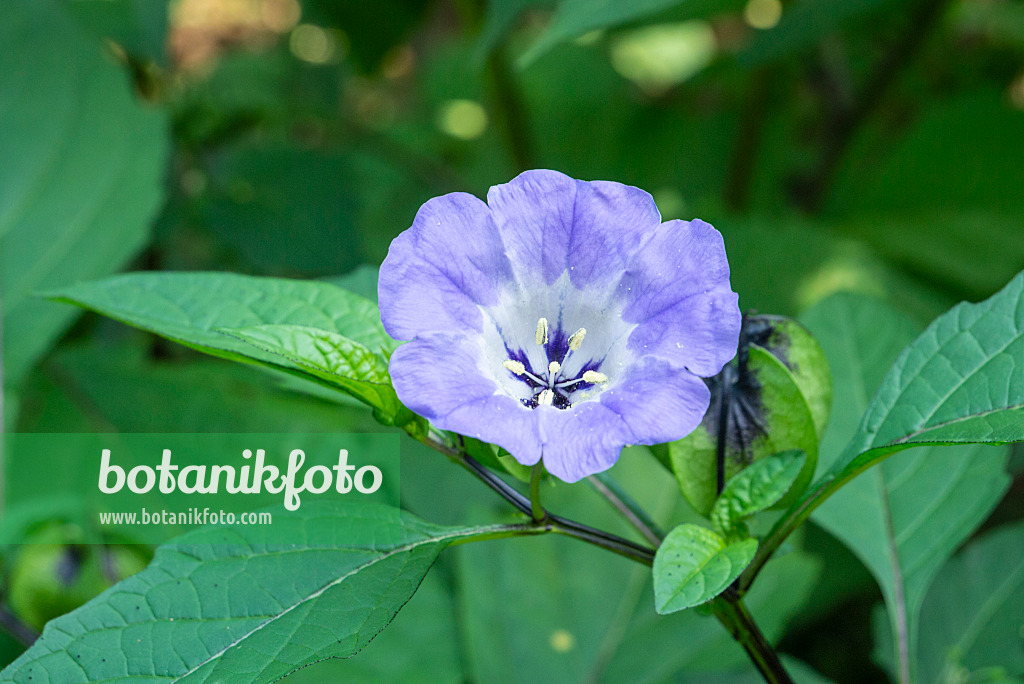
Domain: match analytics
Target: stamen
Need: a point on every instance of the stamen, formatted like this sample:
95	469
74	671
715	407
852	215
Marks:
515	367
554	367
542	331
545	398
594	378
577	339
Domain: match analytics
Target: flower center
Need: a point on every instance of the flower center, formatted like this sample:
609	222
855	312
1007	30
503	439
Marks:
553	386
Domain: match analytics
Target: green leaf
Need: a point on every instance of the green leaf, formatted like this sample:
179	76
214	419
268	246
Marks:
766	415
334	358
193	309
756	488
421	645
98	389
792	343
803	25
961	381
694	564
81	171
573	18
138	26
973	616
904	519
248	603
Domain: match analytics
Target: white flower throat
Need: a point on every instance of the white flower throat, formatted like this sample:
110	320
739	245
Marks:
552	386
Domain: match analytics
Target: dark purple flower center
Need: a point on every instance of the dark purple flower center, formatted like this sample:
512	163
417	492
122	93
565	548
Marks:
552	385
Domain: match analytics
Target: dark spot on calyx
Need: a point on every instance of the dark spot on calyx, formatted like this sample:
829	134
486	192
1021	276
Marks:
736	415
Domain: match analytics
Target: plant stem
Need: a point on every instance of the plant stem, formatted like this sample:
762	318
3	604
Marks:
728	607
628	507
734	616
537	511
552	523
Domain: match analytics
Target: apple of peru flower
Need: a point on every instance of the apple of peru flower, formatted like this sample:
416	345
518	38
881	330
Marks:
560	320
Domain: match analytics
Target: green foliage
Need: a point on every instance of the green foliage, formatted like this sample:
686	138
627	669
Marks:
318	583
694	565
773	397
756	488
573	18
905	517
971	620
81	172
313	329
959	382
333	358
863	146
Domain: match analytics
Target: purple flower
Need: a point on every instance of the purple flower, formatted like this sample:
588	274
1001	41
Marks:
560	320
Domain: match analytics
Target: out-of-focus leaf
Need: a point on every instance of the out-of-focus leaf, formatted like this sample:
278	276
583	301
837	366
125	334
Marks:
362	280
97	390
573	18
803	25
501	18
139	26
249	603
80	175
904	518
285	210
694	565
940	207
980	130
973	615
759	486
371	39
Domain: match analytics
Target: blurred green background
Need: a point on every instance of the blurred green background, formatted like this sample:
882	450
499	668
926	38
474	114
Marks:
865	145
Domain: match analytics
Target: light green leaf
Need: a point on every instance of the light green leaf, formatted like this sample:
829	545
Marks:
766	414
248	603
80	175
756	488
905	518
334	358
193	309
573	18
961	381
694	564
973	616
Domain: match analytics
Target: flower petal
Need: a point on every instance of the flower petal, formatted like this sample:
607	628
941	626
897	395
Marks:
552	224
581	441
658	401
677	289
438	377
441	270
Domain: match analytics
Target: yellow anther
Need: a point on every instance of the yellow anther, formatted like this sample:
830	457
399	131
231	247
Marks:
542	331
514	366
594	378
577	339
545	398
554	367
